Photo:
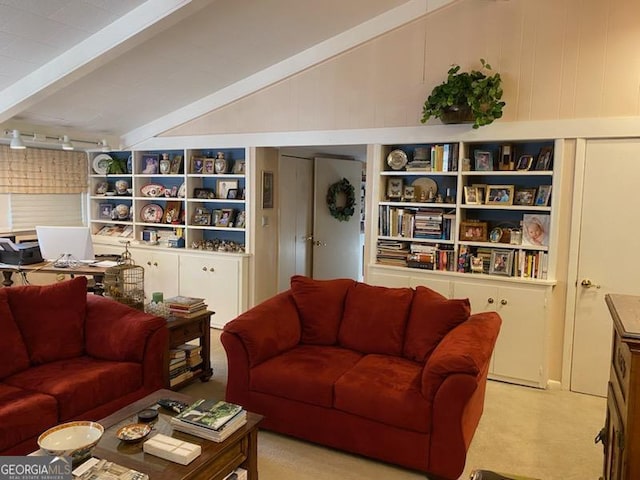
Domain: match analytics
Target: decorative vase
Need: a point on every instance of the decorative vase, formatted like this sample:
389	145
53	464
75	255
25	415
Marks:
457	114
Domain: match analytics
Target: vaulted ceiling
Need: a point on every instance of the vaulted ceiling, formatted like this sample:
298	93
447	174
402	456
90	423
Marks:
116	68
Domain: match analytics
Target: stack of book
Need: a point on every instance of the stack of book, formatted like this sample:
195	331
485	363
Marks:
193	355
210	419
183	306
179	370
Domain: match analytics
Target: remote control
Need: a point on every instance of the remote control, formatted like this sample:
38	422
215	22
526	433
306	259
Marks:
174	405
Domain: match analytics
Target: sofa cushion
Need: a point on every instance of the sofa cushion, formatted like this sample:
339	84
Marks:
24	414
80	384
14	356
374	318
51	318
430	320
320	304
402	404
306	373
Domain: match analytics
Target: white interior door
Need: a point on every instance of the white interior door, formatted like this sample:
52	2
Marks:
607	260
337	251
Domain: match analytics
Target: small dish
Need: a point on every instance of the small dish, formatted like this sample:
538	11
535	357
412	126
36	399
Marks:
101	163
134	432
152	190
397	159
151	213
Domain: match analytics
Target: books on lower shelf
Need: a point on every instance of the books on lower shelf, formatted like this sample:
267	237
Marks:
210	419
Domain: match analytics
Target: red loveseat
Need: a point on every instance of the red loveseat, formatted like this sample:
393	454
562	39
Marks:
396	374
66	355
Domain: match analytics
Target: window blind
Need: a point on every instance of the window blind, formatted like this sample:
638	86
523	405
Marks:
64	209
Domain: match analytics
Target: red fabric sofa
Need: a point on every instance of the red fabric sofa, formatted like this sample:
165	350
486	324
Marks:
396	374
66	355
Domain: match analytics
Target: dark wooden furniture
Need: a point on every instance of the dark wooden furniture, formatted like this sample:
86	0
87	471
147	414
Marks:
621	436
216	461
182	330
47	267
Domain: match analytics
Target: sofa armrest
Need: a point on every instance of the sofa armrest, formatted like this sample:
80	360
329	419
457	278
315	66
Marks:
267	329
466	349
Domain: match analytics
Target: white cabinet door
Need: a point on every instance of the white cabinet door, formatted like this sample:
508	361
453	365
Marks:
519	355
160	272
443	287
219	280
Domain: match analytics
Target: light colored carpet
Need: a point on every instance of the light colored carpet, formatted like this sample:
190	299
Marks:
524	431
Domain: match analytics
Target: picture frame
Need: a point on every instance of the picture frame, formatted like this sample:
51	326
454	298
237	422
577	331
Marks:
543	196
105	210
209	166
471	196
535	229
482	191
226	217
524	162
202	211
483	161
102	188
239	167
203	193
197	164
172	212
150	163
232	194
476	264
223	186
495	235
267	189
545	158
524	196
499	195
395	188
473	231
409	193
201	219
501	262
505	161
215	216
241	219
176	165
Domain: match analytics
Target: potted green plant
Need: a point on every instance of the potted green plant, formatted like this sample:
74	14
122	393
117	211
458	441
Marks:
472	96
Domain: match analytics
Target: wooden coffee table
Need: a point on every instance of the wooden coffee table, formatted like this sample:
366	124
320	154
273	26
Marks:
216	461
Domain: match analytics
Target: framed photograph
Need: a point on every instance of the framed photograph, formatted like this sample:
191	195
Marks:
105	211
232	193
203	193
471	196
267	189
524	196
477	265
482	191
225	218
202	211
209	165
239	167
473	231
506	159
197	164
544	158
241	219
395	188
544	194
172	212
150	163
223	187
499	195
495	235
409	194
501	262
483	160
176	164
201	219
215	216
535	229
524	162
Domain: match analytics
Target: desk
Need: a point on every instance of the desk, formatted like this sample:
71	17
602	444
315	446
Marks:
47	267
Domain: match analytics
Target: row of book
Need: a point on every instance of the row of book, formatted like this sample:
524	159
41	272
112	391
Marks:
184	306
184	361
210	419
442	158
416	222
432	257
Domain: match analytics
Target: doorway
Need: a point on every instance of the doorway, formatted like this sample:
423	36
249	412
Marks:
606	262
301	238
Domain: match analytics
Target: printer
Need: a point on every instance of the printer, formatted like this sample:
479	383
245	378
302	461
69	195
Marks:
19	253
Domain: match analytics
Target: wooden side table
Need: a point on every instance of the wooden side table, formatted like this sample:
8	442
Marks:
182	330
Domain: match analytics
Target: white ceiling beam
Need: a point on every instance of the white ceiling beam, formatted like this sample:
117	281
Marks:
320	52
128	31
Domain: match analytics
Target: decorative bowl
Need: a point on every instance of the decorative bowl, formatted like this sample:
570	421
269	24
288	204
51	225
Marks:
73	439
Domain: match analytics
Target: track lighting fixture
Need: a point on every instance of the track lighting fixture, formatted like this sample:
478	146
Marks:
66	143
47	141
16	141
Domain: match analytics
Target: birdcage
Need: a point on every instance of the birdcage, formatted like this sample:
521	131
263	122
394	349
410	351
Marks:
125	282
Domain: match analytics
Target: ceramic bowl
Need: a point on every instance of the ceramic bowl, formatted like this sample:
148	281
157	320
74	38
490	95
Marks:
73	439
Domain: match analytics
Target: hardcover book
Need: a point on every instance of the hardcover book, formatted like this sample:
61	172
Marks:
210	414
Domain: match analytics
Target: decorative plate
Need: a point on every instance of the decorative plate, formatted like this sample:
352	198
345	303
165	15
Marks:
182	191
422	186
152	190
151	213
134	432
397	159
101	163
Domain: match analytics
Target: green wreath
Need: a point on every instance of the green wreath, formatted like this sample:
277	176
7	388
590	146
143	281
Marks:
341	213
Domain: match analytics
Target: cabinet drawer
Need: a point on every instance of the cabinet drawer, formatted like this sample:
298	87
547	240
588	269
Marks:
621	366
188	331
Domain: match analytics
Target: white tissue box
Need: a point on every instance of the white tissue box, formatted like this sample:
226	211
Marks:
172	449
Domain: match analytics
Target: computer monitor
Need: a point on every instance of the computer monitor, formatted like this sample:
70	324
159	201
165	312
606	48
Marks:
64	244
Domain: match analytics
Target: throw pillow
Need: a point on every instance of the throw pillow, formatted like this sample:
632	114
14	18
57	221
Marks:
431	318
374	319
320	304
51	318
13	352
